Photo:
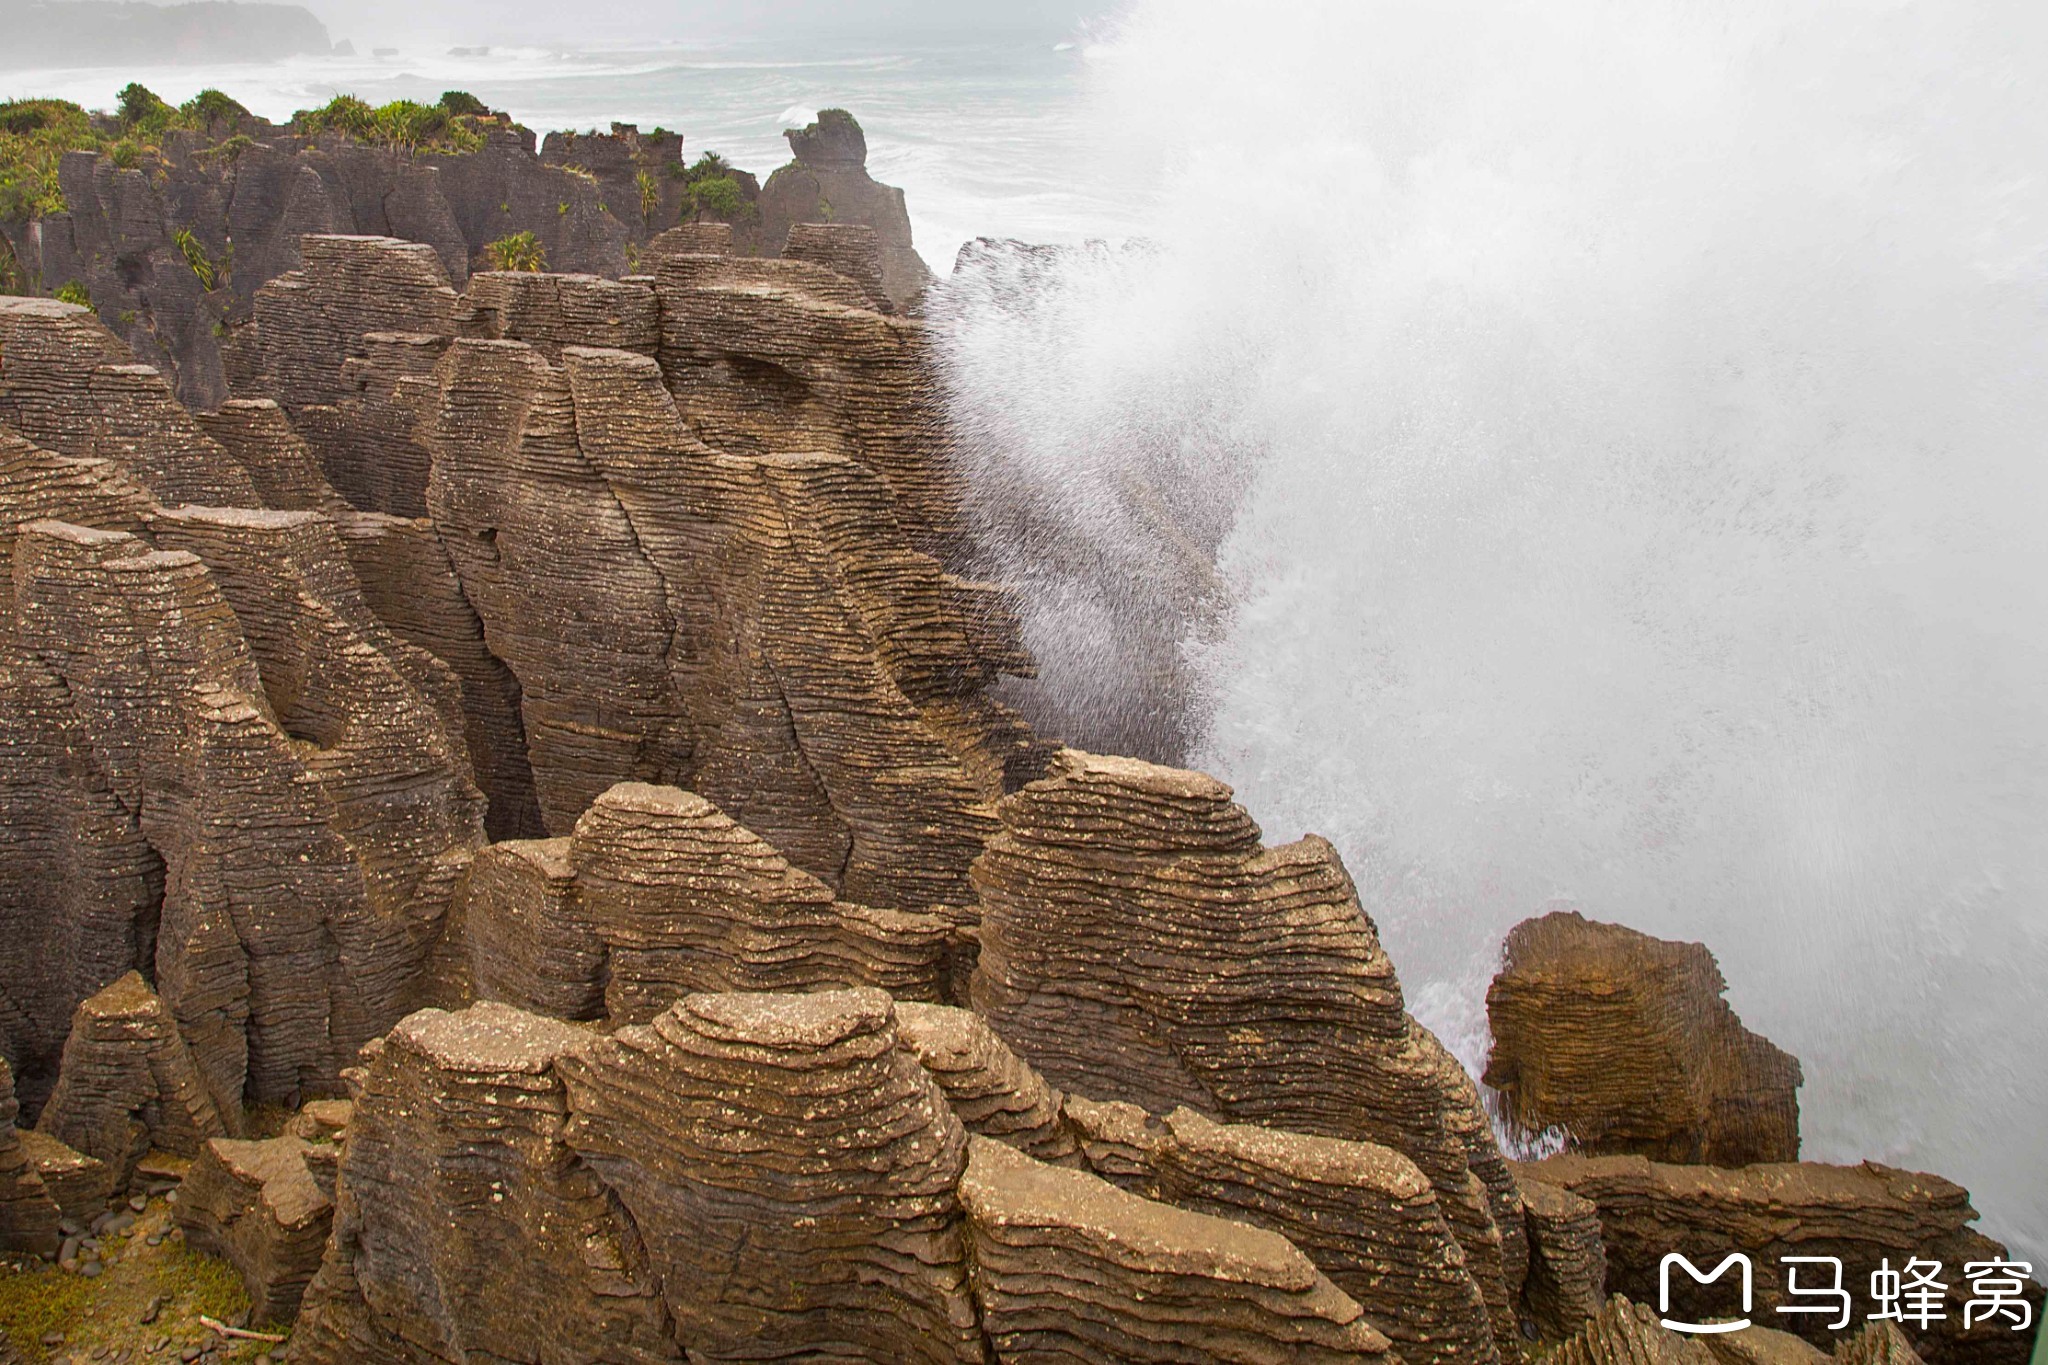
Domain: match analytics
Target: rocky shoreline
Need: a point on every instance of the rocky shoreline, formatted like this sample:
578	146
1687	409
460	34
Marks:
507	807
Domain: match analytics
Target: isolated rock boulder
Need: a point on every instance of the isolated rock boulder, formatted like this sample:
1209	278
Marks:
1623	1042
828	182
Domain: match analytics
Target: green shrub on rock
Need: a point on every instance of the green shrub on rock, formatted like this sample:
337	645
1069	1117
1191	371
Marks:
520	251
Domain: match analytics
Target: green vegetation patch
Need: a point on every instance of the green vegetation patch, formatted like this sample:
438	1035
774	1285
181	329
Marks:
714	191
34	135
39	1298
402	125
520	251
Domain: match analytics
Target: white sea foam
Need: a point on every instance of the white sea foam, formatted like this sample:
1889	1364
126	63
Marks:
1625	423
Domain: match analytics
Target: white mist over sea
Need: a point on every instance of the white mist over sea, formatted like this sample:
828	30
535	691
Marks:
1594	453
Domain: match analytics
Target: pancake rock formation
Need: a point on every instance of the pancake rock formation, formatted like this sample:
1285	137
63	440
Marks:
1137	938
1624	1043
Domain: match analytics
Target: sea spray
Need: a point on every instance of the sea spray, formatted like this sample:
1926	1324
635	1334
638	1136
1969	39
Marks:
1586	452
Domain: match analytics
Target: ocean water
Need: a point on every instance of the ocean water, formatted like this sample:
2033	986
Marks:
986	137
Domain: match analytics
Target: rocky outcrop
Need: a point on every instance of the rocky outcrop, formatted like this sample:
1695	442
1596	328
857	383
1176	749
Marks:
1623	1042
465	1226
28	1215
70	387
828	182
1261	994
1567	1280
686	899
243	202
1364	1214
792	1172
1754	1345
994	1092
129	1084
1627	1333
771	356
81	1185
227	772
258	1206
1865	1215
659	894
1069	1267
751	628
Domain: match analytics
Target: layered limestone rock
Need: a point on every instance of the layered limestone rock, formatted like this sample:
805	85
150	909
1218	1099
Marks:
1138	940
224	768
553	311
1627	1333
1567	1280
1865	1215
528	942
1363	1213
409	583
686	899
658	894
785	355
465	1226
69	387
80	886
751	628
1068	1267
259	1206
995	1093
81	1185
129	1084
793	1173
853	250
828	182
28	1215
1754	1345
1623	1042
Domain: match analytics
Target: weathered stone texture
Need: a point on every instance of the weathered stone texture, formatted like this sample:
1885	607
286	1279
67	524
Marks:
128	1083
793	1173
1863	1214
259	1206
1138	940
1069	1267
1627	1333
465	1226
750	628
28	1214
1567	1280
995	1093
1624	1042
1363	1213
